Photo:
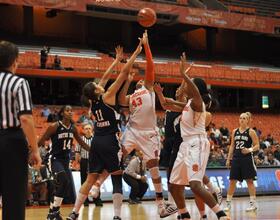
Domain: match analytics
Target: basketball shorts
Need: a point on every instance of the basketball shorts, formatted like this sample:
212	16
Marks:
191	161
243	168
105	154
148	141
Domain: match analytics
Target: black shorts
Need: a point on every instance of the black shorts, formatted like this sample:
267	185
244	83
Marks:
103	154
243	169
58	165
166	151
174	152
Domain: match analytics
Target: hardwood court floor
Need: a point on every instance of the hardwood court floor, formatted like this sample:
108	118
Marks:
268	209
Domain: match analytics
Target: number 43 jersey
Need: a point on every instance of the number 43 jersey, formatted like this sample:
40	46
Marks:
242	140
62	141
142	109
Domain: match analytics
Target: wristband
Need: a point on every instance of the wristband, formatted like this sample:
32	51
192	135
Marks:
251	150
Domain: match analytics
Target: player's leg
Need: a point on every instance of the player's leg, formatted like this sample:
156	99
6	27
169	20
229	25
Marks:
235	174
178	181
60	183
198	148
249	173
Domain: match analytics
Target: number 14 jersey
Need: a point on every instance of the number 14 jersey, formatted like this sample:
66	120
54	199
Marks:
142	109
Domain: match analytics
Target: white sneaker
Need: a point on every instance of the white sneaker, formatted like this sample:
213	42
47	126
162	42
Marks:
218	195
228	206
165	209
252	207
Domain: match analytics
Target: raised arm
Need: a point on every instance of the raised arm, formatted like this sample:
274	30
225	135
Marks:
106	76
167	103
150	67
192	89
109	96
123	98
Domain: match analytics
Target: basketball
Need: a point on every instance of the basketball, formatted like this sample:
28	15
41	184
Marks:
147	17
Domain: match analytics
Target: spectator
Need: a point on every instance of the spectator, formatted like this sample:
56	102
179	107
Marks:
53	117
45	111
57	63
134	176
258	161
213	162
224	131
277	152
270	160
37	186
44	56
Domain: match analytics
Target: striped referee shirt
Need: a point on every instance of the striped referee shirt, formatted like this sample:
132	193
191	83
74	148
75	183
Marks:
15	100
82	151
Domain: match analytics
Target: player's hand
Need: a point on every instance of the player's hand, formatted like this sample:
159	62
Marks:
158	88
130	76
145	37
35	158
139	47
119	53
183	62
228	163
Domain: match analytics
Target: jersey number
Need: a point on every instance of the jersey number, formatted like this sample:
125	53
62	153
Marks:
99	115
239	145
67	145
136	102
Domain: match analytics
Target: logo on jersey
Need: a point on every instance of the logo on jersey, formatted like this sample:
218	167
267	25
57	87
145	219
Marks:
195	167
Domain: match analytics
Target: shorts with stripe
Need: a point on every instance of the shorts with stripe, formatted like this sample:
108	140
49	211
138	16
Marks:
148	141
105	154
191	161
243	169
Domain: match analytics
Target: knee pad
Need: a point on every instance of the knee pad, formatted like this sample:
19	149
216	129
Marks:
60	183
154	171
117	183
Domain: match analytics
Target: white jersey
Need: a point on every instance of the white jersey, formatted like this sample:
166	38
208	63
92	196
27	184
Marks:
142	109
192	123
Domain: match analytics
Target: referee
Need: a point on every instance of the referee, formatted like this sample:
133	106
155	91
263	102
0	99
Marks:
82	157
16	128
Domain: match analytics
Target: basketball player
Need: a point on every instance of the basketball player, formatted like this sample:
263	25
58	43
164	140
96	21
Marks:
61	134
244	142
141	131
105	152
180	97
189	167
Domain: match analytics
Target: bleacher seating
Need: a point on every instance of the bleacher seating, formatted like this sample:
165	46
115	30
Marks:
267	123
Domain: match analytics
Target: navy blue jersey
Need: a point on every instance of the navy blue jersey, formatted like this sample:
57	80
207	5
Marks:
169	123
241	140
62	141
106	118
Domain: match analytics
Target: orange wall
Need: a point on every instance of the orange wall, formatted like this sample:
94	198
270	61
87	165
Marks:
64	25
11	18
